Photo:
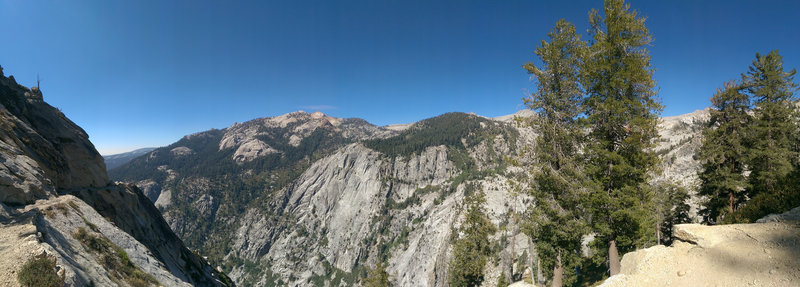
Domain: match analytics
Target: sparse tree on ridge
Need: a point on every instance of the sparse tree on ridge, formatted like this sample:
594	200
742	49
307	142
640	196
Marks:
558	220
723	153
622	113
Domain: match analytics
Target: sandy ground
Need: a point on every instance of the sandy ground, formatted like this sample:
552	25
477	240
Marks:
759	254
18	243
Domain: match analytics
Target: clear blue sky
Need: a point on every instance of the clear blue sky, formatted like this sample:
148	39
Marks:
145	73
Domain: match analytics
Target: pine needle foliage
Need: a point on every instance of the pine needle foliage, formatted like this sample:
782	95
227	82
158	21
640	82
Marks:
558	218
724	152
622	113
471	250
750	152
772	92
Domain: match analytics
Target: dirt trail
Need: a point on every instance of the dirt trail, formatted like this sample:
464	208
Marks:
758	254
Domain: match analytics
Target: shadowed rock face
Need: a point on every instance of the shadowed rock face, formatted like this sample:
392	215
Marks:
53	184
44	152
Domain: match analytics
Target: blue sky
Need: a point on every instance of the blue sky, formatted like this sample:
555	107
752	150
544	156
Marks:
145	73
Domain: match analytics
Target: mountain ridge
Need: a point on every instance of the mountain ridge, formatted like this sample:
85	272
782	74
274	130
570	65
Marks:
409	180
115	160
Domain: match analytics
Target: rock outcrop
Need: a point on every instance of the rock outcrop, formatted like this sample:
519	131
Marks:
57	202
759	254
43	151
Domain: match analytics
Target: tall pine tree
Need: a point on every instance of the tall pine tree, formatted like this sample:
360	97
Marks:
558	217
622	112
773	140
772	92
724	152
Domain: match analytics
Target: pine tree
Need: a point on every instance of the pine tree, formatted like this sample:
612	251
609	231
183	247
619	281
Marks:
669	208
558	217
772	141
772	92
622	112
723	153
471	249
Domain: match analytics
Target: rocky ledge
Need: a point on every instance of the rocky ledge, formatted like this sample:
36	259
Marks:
766	253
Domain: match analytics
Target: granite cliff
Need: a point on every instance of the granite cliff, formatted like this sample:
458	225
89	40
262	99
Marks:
58	203
308	199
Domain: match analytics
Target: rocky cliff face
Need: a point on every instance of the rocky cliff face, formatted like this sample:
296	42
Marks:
307	199
357	206
57	202
44	152
681	138
766	253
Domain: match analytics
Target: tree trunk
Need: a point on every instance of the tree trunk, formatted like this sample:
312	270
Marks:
730	203
513	242
613	258
539	274
558	271
658	232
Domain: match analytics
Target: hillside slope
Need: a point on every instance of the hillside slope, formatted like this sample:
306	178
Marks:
57	202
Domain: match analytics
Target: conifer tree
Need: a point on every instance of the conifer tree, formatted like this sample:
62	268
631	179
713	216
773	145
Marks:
669	208
772	92
723	153
471	249
558	217
622	112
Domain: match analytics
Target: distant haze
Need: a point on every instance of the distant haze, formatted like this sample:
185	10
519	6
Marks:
115	160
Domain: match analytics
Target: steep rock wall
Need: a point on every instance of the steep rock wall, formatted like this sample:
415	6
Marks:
45	159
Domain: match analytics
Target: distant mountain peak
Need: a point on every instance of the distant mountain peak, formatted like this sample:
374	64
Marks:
524	113
263	136
317	115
